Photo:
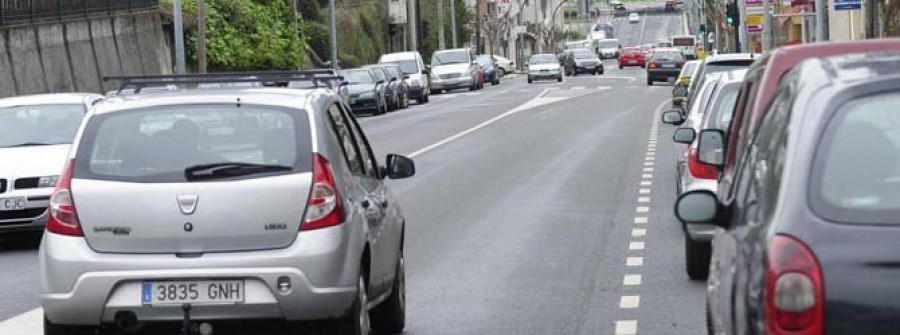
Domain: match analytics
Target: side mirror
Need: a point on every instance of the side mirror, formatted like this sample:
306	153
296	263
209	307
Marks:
684	135
399	167
711	147
698	207
426	70
673	117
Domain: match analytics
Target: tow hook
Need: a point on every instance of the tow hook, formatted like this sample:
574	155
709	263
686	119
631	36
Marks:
189	328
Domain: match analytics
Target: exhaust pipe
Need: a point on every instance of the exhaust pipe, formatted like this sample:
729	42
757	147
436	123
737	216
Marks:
127	321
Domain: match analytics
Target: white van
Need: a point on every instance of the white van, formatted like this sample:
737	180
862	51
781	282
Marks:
419	75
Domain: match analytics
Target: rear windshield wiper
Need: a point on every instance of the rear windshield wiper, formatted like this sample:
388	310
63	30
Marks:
29	144
229	169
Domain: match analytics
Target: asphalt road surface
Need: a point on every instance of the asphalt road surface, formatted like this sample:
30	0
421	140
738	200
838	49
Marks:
537	209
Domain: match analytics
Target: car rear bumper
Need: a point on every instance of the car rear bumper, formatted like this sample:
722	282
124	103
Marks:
663	74
446	84
588	68
544	75
367	104
82	287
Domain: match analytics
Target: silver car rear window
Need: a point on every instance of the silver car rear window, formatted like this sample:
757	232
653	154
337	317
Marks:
158	144
856	176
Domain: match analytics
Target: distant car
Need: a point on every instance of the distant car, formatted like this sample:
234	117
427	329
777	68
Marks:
367	92
670	6
809	242
413	66
634	18
608	48
190	208
632	57
392	89
620	10
713	112
665	65
36	132
504	66
398	83
544	66
492	72
582	61
453	69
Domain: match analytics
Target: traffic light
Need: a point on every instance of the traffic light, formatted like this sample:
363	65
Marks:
732	14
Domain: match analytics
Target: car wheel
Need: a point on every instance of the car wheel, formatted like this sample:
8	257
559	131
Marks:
649	82
390	316
559	79
530	80
621	67
54	329
696	258
357	321
500	73
710	330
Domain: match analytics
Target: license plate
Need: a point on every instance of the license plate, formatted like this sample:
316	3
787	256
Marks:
668	65
12	204
192	292
632	62
671	79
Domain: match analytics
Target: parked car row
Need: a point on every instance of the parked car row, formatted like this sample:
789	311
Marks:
788	187
165	203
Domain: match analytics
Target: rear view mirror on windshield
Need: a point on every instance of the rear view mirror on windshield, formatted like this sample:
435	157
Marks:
711	147
399	167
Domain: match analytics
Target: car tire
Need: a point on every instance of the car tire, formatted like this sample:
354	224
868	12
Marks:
559	79
500	73
710	330
621	67
54	329
696	258
356	321
390	316
649	82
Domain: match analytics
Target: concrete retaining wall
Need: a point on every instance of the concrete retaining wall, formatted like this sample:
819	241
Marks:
74	56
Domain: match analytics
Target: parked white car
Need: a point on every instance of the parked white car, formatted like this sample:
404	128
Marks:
508	66
35	135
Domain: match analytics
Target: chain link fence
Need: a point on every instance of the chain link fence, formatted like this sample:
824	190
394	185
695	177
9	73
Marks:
13	12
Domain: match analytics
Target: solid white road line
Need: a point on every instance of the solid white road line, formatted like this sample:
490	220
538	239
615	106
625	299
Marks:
630	301
626	327
28	323
631	280
634	261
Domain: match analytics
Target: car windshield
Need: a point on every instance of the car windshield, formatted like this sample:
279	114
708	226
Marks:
858	163
450	57
543	59
584	54
358	76
719	114
160	144
668	57
39	124
408	66
608	44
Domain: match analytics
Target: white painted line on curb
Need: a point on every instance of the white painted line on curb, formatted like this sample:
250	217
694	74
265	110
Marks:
626	327
636	246
640	220
630	301
631	280
634	261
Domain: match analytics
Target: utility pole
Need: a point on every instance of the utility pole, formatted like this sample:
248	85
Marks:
441	43
477	27
201	36
413	24
821	24
453	22
743	40
179	37
767	27
334	47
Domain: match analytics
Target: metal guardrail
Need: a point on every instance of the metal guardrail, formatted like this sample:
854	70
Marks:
26	11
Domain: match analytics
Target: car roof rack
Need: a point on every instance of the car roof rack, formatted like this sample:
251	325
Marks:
317	78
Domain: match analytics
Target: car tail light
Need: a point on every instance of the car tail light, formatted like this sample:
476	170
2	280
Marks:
324	208
63	216
794	290
652	65
699	169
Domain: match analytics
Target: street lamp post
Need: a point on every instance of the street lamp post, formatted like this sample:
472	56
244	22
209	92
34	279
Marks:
179	37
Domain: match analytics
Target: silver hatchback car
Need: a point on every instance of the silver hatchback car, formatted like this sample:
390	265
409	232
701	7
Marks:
205	205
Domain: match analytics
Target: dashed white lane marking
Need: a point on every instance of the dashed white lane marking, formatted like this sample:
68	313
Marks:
634	261
28	323
650	159
644	191
631	280
648	169
629	301
646	176
648	163
640	220
636	246
642	209
638	232
646	183
626	327
643	199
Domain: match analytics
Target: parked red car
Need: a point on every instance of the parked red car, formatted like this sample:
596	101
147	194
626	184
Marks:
632	57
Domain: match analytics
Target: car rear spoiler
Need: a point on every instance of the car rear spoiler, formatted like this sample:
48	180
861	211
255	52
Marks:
317	78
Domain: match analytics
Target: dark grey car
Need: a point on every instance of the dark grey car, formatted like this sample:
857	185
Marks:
810	241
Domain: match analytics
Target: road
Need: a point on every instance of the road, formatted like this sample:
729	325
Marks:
537	209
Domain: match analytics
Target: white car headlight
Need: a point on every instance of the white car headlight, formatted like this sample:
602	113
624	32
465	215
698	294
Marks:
48	181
